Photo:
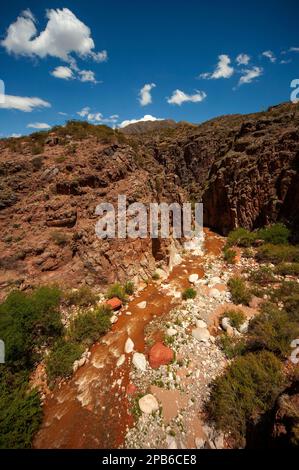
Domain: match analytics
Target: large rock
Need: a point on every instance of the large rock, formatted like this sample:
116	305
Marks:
193	278
201	334
225	323
115	303
129	346
139	361
142	304
148	404
160	355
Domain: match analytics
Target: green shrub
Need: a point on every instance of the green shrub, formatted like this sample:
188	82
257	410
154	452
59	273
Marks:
239	292
189	293
241	237
272	330
129	288
278	253
20	410
287	269
262	276
27	321
232	346
236	317
156	276
59	362
116	290
88	327
276	234
246	390
229	255
82	297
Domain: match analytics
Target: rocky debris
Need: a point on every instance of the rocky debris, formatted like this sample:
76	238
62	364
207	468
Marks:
115	303
171	332
148	404
201	334
82	361
215	293
225	323
193	278
114	319
129	346
160	355
142	305
201	324
139	361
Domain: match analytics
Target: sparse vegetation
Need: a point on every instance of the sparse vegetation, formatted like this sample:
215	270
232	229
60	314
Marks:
232	346
278	254
88	327
239	291
236	317
287	269
229	255
60	361
82	297
59	238
129	288
117	290
155	276
189	293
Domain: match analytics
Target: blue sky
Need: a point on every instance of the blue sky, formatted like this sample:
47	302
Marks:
183	53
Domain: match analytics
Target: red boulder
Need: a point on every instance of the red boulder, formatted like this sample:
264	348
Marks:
160	355
115	303
131	389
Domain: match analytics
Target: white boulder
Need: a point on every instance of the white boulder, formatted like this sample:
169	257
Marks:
201	334
193	278
129	346
113	319
139	361
142	304
148	404
171	332
225	323
201	324
120	360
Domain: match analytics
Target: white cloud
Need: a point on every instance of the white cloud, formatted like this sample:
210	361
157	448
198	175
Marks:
250	74
223	69
269	55
63	72
97	117
145	96
179	97
243	59
15	136
87	76
62	113
63	35
294	49
145	118
22	103
38	125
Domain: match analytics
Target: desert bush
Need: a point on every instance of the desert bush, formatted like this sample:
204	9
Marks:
278	253
155	276
88	327
189	293
129	288
59	238
27	321
82	297
59	363
272	330
262	276
247	389
241	237
20	410
276	234
287	269
236	317
239	291
116	290
232	346
229	255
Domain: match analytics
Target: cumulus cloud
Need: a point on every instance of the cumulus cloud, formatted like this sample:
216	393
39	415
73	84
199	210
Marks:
269	55
63	35
243	59
179	97
147	117
38	125
294	49
22	103
145	96
87	76
63	72
223	69
249	75
97	117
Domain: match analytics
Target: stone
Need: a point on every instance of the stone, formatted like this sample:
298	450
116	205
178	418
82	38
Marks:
139	361
75	366
160	355
201	334
148	404
113	319
225	323
201	324
171	332
120	360
199	443
215	293
230	331
244	327
129	346
115	303
142	305
215	280
193	278
81	361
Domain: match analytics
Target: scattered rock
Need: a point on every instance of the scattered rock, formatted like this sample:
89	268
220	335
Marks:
160	355
201	324
215	293
129	346
142	305
148	404
193	278
171	332
114	319
244	327
225	323
115	303
139	361
201	334
121	360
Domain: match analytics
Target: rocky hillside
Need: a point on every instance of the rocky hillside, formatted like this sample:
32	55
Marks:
245	169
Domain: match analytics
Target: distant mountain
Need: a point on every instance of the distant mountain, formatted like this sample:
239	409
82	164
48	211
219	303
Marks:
143	127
